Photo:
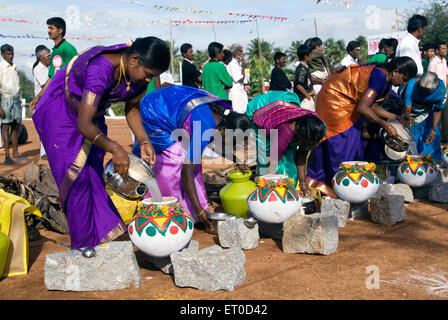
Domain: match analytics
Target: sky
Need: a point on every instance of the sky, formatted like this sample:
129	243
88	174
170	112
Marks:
120	20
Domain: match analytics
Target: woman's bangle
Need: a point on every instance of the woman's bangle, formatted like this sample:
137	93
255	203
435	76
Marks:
145	142
97	137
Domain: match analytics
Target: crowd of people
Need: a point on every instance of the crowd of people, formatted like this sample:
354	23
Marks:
304	128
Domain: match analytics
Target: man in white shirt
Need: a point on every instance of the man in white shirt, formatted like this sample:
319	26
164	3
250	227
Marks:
236	69
408	46
353	50
438	66
40	73
40	68
11	108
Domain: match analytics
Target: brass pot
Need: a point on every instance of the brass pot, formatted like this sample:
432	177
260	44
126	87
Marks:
132	187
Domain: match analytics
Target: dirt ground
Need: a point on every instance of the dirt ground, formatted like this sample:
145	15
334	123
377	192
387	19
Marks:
410	259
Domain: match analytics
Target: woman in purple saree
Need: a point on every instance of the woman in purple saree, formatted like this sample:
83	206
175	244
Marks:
69	119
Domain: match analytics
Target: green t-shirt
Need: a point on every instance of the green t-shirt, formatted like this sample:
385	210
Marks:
151	86
214	77
378	58
60	56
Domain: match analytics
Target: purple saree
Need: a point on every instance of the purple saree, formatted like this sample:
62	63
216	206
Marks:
76	164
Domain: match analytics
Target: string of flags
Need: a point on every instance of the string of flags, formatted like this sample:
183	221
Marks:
203	11
31	36
179	22
357	4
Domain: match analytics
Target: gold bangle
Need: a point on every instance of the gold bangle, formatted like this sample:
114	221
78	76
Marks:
145	142
97	137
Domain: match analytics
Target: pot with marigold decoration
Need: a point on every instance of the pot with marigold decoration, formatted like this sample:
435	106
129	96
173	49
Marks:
356	181
417	170
160	228
275	200
445	157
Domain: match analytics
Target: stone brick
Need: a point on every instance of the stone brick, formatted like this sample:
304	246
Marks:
114	267
387	210
315	233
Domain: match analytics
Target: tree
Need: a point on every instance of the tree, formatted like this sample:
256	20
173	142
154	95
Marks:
200	57
291	51
364	55
334	51
256	73
26	87
267	51
259	69
437	16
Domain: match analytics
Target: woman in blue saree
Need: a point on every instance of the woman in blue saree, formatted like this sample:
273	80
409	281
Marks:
181	122
424	102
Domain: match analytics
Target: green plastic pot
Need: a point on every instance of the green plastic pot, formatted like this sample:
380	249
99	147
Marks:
234	195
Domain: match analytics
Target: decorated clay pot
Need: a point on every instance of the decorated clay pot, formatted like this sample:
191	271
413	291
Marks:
417	171
356	181
445	157
161	228
275	200
234	195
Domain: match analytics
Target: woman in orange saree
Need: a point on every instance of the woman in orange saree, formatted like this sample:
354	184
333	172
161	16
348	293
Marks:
345	102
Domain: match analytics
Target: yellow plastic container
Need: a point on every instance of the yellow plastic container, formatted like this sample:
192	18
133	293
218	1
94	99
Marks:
4	246
126	208
234	195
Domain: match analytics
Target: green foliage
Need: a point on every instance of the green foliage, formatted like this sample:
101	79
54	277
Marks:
334	51
259	69
118	108
364	56
26	87
289	73
267	52
291	52
200	57
256	83
437	16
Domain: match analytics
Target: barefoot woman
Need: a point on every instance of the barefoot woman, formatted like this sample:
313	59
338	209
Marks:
70	121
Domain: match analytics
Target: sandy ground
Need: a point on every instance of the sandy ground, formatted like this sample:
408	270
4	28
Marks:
410	259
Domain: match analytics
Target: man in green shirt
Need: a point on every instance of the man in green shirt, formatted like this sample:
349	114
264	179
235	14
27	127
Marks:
381	55
428	52
61	55
63	51
215	78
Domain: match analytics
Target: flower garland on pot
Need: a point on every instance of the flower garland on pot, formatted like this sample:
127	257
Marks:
280	183
154	210
370	167
427	159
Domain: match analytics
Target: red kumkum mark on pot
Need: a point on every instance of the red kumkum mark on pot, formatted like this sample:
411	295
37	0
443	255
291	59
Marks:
364	184
174	230
431	171
131	230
